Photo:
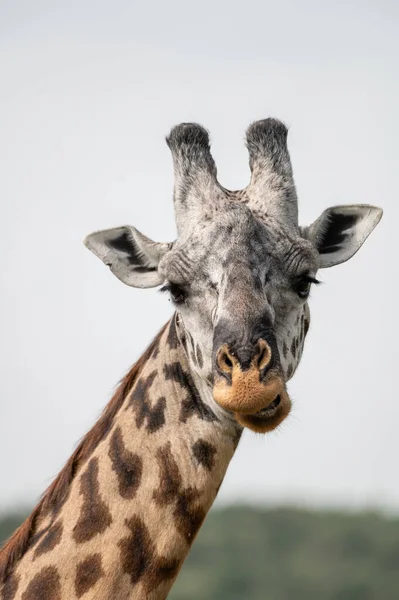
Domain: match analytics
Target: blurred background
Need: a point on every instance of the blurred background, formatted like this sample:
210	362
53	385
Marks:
88	91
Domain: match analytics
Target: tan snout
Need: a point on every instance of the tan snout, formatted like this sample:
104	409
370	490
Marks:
242	390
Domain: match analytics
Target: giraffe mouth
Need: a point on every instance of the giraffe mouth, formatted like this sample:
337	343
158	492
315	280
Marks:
270	410
268	418
258	404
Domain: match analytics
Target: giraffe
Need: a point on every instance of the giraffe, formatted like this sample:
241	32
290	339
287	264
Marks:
119	519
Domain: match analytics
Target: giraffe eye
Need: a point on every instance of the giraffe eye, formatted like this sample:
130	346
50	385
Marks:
177	292
303	285
303	288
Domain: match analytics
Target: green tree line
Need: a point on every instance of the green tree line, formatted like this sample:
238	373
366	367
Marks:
247	553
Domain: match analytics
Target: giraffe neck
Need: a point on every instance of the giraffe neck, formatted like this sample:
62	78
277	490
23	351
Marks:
137	494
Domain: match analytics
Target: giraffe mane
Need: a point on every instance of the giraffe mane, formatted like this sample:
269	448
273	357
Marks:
56	494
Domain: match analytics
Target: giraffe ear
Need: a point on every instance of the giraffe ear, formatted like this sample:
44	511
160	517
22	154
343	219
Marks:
340	231
130	255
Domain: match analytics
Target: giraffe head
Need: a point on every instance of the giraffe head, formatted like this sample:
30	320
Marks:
241	268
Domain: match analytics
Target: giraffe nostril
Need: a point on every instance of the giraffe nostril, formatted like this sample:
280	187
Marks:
246	357
225	361
264	354
228	361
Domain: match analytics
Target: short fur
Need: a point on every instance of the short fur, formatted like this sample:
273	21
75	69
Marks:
119	519
54	497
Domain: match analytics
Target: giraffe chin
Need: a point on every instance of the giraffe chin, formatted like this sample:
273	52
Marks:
258	405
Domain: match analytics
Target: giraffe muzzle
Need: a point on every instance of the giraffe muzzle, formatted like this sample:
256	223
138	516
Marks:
249	385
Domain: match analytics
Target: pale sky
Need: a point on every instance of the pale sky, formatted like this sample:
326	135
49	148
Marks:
88	90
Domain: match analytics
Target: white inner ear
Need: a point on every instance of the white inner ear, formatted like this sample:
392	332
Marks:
349	238
130	255
152	252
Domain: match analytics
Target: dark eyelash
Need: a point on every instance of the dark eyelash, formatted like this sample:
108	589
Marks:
165	288
309	279
177	292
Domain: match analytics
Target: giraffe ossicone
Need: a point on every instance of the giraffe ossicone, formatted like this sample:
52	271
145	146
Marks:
120	517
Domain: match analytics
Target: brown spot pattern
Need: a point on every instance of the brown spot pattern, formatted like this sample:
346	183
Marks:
50	540
290	370
153	416
10	587
94	515
306	326
34	539
191	339
139	558
237	436
170	478
44	586
155	350
187	512
88	572
172	340
184	342
200	358
57	493
285	349
189	516
205	454
127	466
192	404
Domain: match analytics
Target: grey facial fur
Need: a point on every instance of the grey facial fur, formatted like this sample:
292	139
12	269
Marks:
240	271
